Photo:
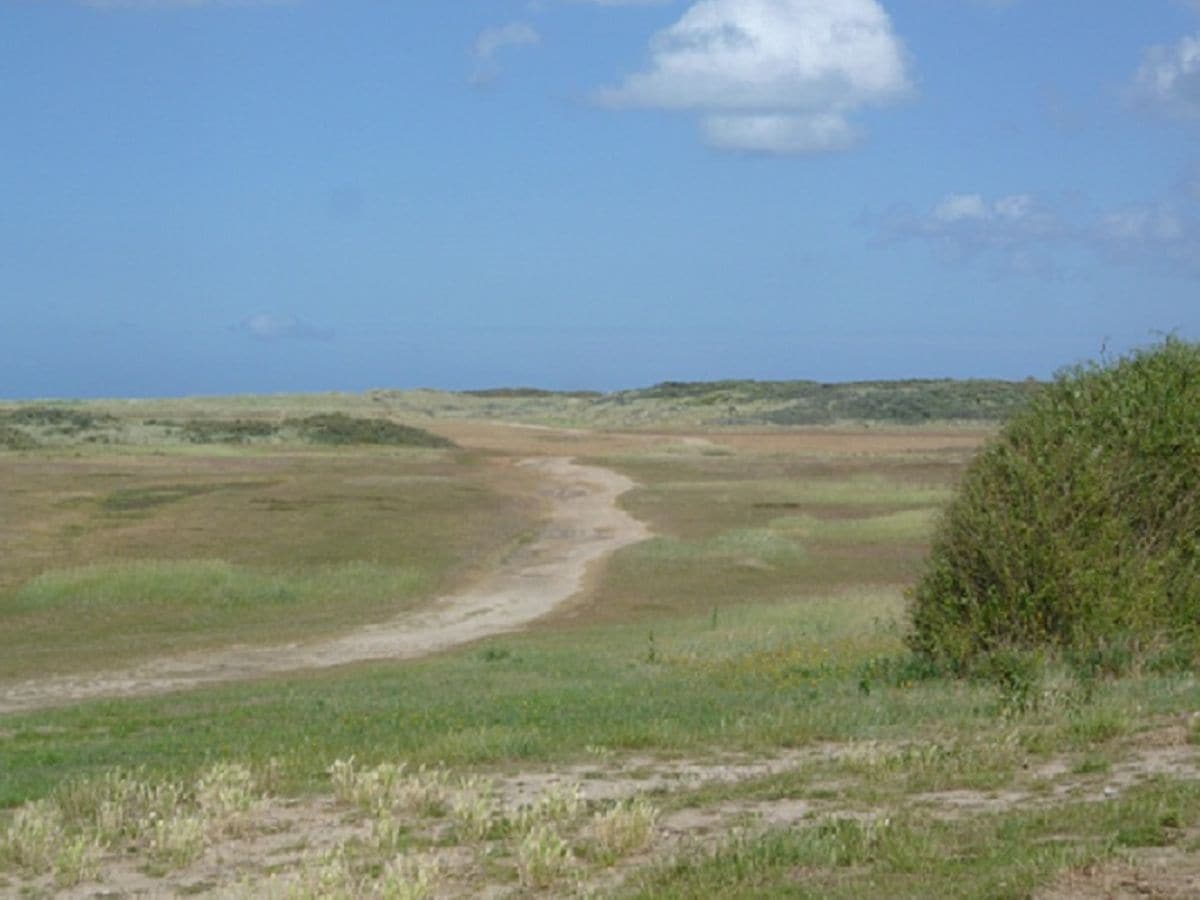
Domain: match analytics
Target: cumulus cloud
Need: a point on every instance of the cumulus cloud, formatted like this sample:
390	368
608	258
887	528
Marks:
775	76
1168	80
275	327
1027	235
491	41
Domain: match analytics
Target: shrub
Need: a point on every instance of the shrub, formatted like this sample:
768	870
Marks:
64	419
1078	528
12	438
234	431
338	428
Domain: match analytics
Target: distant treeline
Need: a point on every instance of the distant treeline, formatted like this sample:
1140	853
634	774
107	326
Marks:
908	402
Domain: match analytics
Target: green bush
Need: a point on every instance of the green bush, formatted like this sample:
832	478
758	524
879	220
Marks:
61	418
338	428
1078	528
234	431
15	439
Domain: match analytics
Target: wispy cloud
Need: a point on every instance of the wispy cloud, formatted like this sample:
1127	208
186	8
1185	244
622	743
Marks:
1021	234
1168	80
1156	234
275	327
1013	233
773	76
491	41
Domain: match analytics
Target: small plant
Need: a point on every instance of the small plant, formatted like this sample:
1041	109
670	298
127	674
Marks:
558	805
329	876
177	840
409	878
32	840
388	834
77	860
543	857
342	776
473	808
846	842
626	828
225	795
426	792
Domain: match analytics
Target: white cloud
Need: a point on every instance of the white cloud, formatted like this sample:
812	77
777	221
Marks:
1168	80
1014	232
495	39
779	76
779	134
274	327
957	207
1023	234
514	34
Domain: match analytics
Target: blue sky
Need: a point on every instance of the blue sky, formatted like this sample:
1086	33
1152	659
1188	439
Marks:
213	197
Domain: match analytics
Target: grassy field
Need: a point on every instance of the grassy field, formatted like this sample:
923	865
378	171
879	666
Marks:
726	710
113	553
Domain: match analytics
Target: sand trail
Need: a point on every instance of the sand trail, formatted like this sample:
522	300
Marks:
584	525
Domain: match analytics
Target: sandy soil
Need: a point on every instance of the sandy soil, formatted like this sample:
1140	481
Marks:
584	525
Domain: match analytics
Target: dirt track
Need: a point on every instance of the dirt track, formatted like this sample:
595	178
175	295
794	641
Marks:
585	524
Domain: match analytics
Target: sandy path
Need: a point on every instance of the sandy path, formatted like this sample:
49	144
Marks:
585	524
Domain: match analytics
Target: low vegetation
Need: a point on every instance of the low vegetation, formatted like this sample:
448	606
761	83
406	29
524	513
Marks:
337	429
117	555
1078	529
30	426
813	403
66	419
732	708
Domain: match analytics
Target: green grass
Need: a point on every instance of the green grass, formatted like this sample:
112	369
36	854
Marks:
761	677
731	528
902	854
906	526
122	611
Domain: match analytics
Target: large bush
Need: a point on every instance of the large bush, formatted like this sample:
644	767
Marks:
1078	528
